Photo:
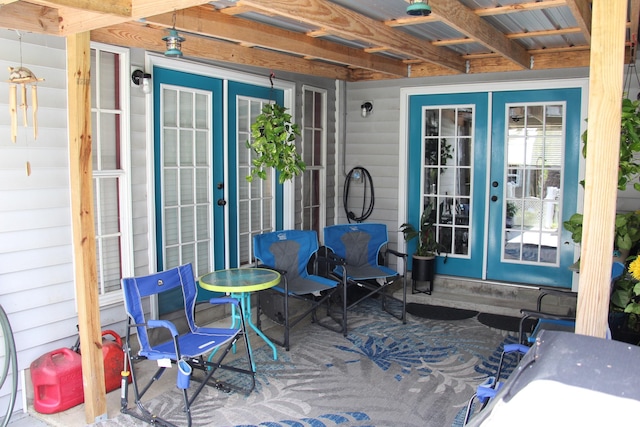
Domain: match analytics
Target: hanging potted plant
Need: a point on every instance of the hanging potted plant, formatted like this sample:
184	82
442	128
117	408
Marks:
273	141
423	259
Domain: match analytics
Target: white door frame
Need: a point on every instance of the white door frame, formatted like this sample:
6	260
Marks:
489	87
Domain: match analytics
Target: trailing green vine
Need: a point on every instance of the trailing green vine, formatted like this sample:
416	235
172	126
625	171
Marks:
273	135
629	164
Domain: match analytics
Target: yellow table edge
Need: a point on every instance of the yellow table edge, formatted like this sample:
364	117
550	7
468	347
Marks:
249	288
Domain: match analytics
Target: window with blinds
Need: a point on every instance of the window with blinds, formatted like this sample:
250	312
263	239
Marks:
314	155
110	130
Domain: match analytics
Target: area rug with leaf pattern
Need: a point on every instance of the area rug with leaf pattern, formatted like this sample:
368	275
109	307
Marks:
384	373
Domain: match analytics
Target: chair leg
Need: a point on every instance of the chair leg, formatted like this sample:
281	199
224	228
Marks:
142	413
187	406
286	322
344	308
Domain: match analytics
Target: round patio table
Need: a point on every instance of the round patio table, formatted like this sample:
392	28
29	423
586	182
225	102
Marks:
240	283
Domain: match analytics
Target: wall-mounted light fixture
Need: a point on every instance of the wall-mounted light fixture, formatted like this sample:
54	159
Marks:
366	108
419	8
173	41
139	77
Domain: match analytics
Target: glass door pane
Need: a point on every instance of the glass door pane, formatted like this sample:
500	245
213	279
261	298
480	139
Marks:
447	171
534	150
186	177
255	199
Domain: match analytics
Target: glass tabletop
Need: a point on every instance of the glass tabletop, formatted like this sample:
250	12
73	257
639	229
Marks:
240	280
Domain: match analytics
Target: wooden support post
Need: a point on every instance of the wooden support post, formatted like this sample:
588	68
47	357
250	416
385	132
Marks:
601	174
84	239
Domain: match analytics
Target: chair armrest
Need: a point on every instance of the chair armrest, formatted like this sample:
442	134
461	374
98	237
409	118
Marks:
163	324
334	259
282	272
553	292
512	348
543	315
396	253
223	300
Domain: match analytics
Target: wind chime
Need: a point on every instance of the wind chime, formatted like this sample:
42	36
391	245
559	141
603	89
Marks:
22	76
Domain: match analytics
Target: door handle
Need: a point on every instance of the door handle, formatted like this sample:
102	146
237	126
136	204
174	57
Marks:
494	198
222	202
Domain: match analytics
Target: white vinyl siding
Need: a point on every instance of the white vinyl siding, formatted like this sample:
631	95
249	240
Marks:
36	257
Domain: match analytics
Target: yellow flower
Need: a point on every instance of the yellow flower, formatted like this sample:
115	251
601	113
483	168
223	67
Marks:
634	268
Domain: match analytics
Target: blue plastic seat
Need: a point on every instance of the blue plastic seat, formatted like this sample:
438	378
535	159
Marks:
362	251
290	252
186	349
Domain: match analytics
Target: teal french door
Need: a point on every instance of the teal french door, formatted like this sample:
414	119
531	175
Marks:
188	160
533	187
206	211
447	167
500	172
255	207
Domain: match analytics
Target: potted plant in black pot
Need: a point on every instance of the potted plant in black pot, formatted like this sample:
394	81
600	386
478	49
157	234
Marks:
423	259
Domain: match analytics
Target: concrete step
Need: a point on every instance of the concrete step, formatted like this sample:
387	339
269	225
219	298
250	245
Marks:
488	297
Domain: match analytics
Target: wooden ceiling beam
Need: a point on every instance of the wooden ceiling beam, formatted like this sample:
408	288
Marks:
490	63
479	64
112	7
349	24
460	17
208	22
489	11
29	17
411	20
71	17
581	10
521	7
544	33
135	34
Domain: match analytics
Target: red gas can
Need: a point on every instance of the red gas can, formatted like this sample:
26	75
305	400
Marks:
113	360
57	381
57	375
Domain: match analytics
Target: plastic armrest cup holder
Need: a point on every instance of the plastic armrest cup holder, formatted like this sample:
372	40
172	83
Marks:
184	374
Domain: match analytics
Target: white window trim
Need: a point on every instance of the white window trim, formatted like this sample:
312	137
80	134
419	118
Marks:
126	240
323	154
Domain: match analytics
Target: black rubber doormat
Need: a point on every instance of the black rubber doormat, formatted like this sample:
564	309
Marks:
505	323
437	312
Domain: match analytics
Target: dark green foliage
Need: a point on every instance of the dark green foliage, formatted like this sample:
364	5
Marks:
274	135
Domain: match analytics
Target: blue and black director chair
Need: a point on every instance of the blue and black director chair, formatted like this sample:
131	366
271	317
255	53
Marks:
292	253
362	254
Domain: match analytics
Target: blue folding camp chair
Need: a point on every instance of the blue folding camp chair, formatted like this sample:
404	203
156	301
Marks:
490	387
290	252
184	349
544	320
358	248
